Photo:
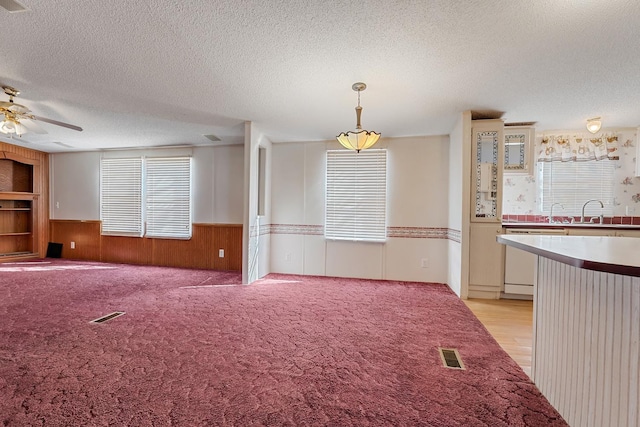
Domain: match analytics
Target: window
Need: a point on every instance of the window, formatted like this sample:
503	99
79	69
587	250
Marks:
573	183
151	191
356	195
121	197
168	195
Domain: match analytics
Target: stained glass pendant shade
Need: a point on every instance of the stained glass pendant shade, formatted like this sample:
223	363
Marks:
359	139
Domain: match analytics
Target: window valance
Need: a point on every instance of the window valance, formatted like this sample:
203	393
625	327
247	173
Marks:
578	148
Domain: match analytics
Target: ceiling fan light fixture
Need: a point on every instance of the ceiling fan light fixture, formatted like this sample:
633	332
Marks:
10	127
14	113
594	125
359	139
20	129
7	127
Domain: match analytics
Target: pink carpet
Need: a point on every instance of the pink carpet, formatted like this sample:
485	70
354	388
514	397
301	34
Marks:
196	349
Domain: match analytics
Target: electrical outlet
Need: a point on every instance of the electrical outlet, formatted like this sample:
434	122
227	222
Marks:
424	263
287	257
73	245
221	253
57	205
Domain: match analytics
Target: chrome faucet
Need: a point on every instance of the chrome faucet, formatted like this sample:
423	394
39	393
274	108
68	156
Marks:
551	211
585	205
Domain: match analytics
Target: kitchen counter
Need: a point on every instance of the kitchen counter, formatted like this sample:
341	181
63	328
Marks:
586	329
618	255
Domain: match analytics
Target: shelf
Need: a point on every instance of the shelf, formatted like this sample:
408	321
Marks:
17	195
17	255
26	233
15	209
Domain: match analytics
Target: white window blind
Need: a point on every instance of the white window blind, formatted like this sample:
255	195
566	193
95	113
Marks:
356	195
573	183
168	197
121	196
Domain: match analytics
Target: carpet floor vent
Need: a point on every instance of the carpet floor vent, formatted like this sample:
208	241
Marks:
451	358
108	317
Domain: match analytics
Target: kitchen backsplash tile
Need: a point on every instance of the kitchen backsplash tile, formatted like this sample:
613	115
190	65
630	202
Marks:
560	219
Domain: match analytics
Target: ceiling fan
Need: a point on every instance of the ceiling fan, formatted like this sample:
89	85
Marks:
19	120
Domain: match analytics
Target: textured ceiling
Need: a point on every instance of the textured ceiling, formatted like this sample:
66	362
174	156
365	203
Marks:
157	72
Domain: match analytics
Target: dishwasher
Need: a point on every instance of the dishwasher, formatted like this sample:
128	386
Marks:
520	266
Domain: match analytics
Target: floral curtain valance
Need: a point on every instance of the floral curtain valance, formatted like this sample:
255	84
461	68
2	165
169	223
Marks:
578	148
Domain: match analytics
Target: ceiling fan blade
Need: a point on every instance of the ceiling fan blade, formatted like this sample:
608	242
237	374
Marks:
12	6
55	122
13	107
32	126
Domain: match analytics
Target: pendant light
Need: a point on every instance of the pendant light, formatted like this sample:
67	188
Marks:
359	139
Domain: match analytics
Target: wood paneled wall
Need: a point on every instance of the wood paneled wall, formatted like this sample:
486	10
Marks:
201	251
15	176
85	234
40	183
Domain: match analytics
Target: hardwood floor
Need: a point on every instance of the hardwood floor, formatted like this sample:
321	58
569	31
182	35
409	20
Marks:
511	324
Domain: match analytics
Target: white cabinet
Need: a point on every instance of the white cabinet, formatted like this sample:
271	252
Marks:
486	263
520	266
591	232
519	271
628	233
518	149
486	255
487	157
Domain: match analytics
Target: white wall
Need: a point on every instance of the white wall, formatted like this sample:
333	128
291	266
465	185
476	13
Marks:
256	243
417	197
455	206
217	182
264	247
74	180
458	219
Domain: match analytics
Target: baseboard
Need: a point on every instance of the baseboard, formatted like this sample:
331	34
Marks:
516	296
484	294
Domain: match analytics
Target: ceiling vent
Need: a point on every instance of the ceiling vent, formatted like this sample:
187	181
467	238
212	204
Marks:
62	144
12	6
212	138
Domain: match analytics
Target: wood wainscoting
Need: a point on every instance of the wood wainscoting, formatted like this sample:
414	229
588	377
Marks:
201	251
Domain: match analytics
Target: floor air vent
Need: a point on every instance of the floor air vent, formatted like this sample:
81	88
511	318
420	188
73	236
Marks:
108	317
451	358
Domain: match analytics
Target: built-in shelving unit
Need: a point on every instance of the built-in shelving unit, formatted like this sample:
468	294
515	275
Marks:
18	207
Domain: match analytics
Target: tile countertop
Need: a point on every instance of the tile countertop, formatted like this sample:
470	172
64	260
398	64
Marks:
566	220
522	224
618	255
